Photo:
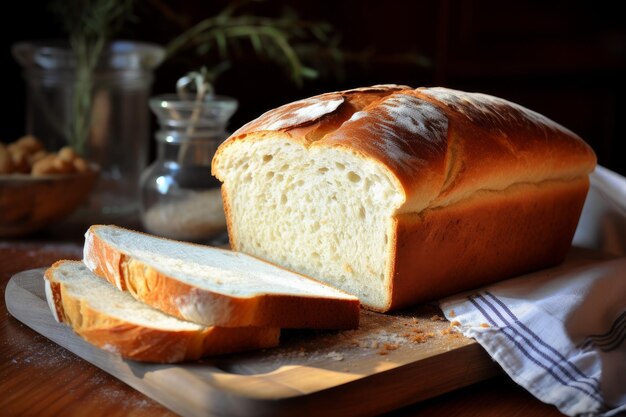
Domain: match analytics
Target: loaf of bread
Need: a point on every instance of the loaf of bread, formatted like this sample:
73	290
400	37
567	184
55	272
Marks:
400	195
115	321
214	287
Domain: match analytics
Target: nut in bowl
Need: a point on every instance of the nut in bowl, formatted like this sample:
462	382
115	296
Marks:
39	188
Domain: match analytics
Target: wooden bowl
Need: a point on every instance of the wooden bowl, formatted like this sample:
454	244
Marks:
29	203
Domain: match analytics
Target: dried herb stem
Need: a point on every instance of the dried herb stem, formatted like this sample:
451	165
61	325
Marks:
89	24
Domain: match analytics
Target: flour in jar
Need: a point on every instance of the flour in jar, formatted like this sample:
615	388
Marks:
195	217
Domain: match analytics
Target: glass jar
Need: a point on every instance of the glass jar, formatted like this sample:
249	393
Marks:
118	118
179	197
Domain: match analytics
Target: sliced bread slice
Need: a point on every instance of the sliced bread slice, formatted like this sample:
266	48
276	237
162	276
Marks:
113	320
212	286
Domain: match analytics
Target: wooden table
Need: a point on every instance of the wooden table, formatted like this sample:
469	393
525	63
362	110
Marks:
38	377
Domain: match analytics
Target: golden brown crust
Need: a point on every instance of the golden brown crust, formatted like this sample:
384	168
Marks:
53	294
206	307
484	239
153	345
140	343
495	143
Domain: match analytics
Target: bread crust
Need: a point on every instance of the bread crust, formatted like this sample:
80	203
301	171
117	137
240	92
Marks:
209	308
141	343
465	159
484	239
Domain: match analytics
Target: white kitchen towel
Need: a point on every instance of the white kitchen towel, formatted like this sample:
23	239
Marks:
561	333
602	224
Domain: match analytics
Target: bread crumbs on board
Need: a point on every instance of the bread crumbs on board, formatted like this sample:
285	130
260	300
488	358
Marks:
387	347
381	335
421	337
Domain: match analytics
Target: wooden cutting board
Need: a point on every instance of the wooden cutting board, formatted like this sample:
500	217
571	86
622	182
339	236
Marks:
389	362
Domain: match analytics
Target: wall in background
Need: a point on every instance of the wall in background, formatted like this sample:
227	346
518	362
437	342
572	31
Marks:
565	59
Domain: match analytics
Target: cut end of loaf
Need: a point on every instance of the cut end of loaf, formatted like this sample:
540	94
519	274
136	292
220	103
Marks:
331	212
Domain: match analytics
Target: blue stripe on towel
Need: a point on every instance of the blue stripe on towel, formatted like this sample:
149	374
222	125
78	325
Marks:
564	376
532	334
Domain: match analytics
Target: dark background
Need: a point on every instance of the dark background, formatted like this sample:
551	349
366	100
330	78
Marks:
565	59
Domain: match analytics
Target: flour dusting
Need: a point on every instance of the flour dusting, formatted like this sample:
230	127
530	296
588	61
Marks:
401	127
295	114
501	114
418	117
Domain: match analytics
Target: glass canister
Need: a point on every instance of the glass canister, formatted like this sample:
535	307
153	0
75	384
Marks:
116	121
180	199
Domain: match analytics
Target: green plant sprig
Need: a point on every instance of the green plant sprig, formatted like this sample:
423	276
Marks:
275	38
